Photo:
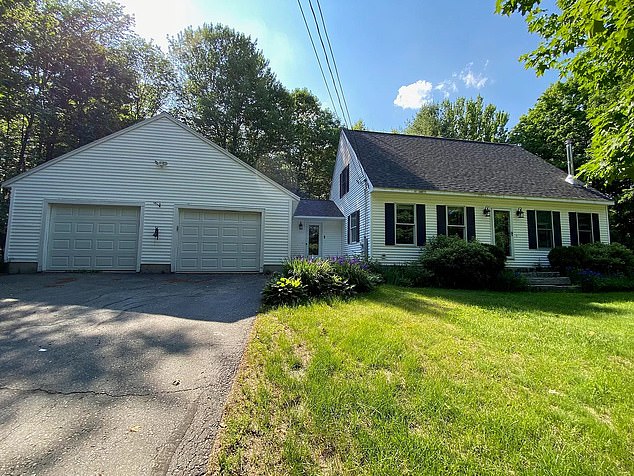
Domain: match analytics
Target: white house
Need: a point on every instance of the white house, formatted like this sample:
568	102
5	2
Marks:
159	197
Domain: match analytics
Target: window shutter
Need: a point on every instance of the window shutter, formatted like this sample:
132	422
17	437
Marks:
349	228
574	237
532	229
390	228
441	220
341	185
557	228
421	230
471	230
357	236
596	230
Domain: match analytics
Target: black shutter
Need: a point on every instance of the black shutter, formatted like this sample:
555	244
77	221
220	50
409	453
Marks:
532	230
596	230
349	228
357	235
557	228
341	184
471	231
574	237
441	220
421	230
390	230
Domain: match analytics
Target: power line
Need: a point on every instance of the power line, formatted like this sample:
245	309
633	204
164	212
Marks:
318	60
332	76
333	60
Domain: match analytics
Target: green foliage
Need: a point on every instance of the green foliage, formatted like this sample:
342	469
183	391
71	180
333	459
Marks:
359	126
597	257
591	42
456	263
284	291
462	119
408	275
313	279
509	280
595	282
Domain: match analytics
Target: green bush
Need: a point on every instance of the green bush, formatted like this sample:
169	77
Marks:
284	291
509	280
456	263
408	275
591	281
612	259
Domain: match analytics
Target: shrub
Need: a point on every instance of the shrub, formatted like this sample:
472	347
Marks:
592	281
509	280
456	263
282	290
408	275
602	258
357	272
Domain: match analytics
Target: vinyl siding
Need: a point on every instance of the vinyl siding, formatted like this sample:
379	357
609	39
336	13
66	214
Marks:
121	170
331	237
357	198
522	255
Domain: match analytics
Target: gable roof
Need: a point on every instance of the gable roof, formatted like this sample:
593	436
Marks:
409	162
163	115
318	208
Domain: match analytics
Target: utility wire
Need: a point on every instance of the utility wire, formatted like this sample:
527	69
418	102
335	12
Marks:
332	76
332	55
318	60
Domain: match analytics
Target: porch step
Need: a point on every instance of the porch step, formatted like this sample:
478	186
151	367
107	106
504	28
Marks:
553	288
548	281
541	274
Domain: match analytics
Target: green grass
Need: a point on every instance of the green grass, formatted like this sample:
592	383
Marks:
406	381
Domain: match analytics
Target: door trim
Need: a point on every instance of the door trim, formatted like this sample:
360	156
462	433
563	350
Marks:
321	238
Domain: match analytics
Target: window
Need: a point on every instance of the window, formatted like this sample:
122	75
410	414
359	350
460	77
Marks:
456	222
344	181
353	227
405	225
584	228
544	229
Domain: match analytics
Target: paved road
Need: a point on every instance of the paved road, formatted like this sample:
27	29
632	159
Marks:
117	374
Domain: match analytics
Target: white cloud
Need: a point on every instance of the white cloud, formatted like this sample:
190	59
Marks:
471	79
446	87
415	95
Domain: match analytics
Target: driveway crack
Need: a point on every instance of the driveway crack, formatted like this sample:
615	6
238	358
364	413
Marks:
105	394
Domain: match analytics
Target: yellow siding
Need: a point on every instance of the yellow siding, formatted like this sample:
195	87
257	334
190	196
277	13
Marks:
523	257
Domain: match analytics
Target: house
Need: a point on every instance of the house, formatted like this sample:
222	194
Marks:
159	197
398	191
155	197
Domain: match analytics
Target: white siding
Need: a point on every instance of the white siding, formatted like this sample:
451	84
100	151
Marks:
331	236
121	170
523	256
357	198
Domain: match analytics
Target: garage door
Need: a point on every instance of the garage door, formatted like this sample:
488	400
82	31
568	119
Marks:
91	237
212	240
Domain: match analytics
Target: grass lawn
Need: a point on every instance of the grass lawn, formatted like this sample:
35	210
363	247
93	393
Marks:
404	381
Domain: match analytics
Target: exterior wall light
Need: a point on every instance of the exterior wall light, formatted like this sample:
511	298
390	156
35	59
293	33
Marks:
486	212
519	213
301	226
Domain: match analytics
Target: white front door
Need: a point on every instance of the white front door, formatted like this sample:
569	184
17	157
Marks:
313	241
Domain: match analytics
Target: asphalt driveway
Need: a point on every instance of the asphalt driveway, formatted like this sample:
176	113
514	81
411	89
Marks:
115	373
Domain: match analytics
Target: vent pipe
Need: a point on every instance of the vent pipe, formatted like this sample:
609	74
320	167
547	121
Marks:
571	167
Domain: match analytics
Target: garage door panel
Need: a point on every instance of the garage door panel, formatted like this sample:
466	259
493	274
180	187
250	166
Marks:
93	237
226	241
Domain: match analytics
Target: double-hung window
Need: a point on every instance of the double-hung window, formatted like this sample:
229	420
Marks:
544	223
353	227
456	222
405	224
344	181
584	228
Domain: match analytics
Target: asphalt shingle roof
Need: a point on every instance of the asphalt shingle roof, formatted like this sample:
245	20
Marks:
430	163
317	208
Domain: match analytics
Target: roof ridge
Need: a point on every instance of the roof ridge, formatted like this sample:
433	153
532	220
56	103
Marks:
431	137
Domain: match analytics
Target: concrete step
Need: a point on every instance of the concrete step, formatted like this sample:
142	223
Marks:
540	274
549	280
553	288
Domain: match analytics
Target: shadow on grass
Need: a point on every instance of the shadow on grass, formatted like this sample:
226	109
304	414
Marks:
569	304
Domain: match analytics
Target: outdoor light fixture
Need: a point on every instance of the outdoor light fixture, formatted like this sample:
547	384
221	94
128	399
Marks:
519	213
301	226
161	163
486	212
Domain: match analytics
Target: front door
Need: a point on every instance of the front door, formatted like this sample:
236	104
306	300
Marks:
502	230
314	235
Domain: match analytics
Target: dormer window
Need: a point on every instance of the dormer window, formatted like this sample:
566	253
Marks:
344	181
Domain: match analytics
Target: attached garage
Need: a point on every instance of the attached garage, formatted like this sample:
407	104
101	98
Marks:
92	237
218	241
155	197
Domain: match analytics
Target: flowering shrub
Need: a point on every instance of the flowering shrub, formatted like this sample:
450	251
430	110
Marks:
613	259
317	278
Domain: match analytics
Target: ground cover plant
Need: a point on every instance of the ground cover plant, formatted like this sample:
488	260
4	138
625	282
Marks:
436	381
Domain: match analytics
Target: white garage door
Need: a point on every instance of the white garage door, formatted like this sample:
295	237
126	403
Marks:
212	240
93	237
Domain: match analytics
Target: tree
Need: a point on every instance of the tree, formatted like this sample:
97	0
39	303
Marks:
228	92
462	119
359	126
591	42
559	114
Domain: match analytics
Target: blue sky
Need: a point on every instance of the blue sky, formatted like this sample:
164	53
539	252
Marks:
392	56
